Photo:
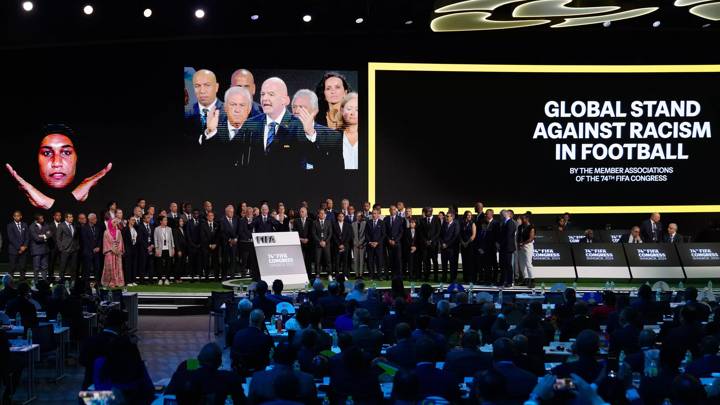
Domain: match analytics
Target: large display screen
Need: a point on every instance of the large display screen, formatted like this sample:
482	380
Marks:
550	138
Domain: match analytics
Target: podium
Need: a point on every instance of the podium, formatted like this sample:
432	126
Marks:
279	256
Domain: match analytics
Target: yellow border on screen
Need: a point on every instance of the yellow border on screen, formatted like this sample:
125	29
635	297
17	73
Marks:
441	67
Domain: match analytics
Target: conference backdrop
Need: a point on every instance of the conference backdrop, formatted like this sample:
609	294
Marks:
595	139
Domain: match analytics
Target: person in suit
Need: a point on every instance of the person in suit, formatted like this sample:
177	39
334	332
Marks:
449	241
131	240
68	240
303	226
173	215
146	249
369	340
519	382
273	141
394	228
264	382
410	243
626	338
589	237
468	359
194	249
343	236
22	305
18	239
358	244
207	384
402	354
98	345
672	235
209	245
206	86
468	234
187	212
322	234
375	240
54	258
180	241
265	222
709	363
246	250
223	126
507	246
429	233
586	366
91	243
651	229
229	230
39	251
633	236
325	144
431	380
250	350
487	228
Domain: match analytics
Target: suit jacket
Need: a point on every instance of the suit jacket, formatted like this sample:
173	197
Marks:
585	239
269	225
450	234
173	222
322	232
325	154
394	231
90	240
507	236
344	237
285	153
487	234
67	241
369	340
435	382
130	249
209	237
17	238
244	230
180	241
646	231
229	229
460	363
518	382
193	122
587	368
252	348
677	238
193	233
375	233
358	230
90	350
626	238
408	239
304	232
145	237
403	354
38	244
261	386
428	232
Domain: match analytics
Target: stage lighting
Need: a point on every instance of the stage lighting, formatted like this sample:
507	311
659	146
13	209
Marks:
606	24
199	13
88	9
255	17
28	5
359	20
307	18
408	22
656	24
147	13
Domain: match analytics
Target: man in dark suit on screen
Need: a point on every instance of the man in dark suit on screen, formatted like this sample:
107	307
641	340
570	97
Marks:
206	86
651	229
323	145
672	235
507	246
223	126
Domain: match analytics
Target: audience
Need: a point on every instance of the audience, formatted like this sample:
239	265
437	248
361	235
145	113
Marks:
262	387
251	347
207	384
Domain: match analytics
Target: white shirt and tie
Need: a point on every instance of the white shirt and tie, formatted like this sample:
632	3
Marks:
271	121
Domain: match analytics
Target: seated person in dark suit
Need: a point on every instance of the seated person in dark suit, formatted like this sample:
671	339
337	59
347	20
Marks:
649	311
97	346
262	388
242	321
580	322
431	380
464	311
654	389
467	360
422	306
626	338
690	299
688	335
489	386
318	291
352	375
396	314
633	236
589	237
518	382
276	295
8	292
344	322
251	347
22	305
532	362
587	346
444	323
647	341
484	322
123	369
405	387
422	330
672	236
369	340
402	354
261	300
207	384
709	362
333	304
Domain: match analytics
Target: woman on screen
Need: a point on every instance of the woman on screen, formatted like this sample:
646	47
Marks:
113	249
331	90
349	124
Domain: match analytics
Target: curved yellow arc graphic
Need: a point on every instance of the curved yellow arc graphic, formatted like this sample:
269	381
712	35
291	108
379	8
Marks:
623	15
474	5
556	8
477	21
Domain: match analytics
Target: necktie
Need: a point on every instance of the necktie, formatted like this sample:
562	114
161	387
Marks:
211	226
391	221
19	227
322	223
428	219
72	230
271	134
264	219
92	230
233	133
203	117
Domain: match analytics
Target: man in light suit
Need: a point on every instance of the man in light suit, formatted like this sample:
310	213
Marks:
303	226
323	145
651	229
449	239
322	234
39	251
358	243
68	242
343	236
672	235
18	239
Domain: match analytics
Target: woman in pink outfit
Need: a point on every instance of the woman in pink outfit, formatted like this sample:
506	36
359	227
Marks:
113	249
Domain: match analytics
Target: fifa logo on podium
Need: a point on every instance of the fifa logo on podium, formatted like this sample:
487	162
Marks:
269	239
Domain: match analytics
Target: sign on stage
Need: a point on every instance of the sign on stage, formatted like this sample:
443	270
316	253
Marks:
279	257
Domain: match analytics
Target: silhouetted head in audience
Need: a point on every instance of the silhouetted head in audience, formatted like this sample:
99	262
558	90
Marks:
244	307
503	350
709	346
399	306
402	331
461	298
687	389
645	292
489	386
309	338
277	287
529	322
257	318
286	386
570	295
691	294
350	307
580	308
361	317
359	286
42	286
587	343
354	360
671	356
261	288
609	298
24	290
284	354
423	322
334	288
344	341
210	356
304	315
443	308
316	315
405	386
426	292
647	338
425	350
59	292
318	285
470	340
488	308
521	343
629	316
689	315
613	390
